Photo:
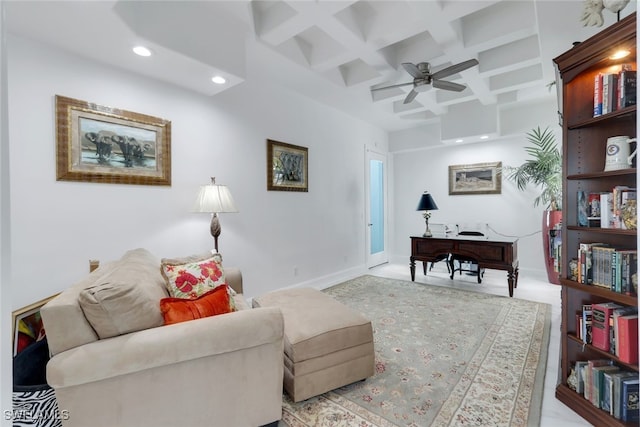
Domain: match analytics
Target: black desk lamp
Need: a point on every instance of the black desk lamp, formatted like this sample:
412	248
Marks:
427	204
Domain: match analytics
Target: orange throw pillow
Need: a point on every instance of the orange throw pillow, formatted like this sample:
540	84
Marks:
176	310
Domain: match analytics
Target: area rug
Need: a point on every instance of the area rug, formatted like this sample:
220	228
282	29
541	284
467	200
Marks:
443	357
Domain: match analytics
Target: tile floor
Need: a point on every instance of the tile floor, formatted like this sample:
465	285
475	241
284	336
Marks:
554	413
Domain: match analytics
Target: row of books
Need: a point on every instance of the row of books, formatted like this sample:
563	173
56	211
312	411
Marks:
610	327
610	209
614	90
611	268
609	387
555	248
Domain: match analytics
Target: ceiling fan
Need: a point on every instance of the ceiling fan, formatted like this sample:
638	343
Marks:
422	78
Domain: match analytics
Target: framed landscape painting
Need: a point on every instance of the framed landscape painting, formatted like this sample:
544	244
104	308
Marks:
104	144
287	167
477	178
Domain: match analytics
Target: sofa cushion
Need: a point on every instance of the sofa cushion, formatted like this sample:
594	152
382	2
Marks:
127	298
176	310
192	276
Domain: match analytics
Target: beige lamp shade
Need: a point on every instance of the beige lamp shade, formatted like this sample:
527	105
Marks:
215	199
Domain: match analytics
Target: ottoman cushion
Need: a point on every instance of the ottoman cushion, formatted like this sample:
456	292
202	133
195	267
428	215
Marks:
326	344
316	324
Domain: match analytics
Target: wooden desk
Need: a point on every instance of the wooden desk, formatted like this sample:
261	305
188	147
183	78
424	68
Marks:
497	254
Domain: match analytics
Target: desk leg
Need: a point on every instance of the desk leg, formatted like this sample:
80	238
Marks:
424	267
515	285
512	278
412	268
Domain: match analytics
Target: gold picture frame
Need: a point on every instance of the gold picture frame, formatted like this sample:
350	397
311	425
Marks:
287	167
102	144
477	178
27	327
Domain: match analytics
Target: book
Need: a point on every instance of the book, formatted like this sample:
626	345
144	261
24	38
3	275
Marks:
600	314
589	391
597	95
609	92
586	323
598	380
606	210
617	202
629	400
627	339
617	312
627	88
617	378
630	273
579	367
606	387
627	211
582	209
593	210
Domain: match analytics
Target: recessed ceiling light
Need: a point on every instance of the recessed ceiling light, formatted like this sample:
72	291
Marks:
459	140
219	80
142	51
484	137
620	53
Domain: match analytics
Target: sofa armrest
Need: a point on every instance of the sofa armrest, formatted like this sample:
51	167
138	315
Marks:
166	345
234	278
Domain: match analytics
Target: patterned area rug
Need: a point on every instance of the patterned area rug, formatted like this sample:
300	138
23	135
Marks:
444	357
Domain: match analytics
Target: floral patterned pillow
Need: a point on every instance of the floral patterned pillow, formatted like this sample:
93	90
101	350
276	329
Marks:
192	276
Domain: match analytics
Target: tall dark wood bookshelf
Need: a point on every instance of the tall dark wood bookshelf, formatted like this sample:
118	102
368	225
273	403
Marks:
584	142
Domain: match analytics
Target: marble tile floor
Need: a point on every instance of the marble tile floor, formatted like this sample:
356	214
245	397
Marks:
554	412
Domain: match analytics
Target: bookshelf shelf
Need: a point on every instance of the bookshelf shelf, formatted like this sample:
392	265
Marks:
616	231
584	157
595	121
603	353
579	404
599	175
599	291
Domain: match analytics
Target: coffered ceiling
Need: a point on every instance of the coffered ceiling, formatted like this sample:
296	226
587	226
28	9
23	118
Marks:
332	51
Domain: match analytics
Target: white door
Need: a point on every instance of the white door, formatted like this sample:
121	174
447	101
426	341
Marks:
376	208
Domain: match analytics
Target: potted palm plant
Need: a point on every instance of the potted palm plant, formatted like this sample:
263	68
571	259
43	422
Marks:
543	170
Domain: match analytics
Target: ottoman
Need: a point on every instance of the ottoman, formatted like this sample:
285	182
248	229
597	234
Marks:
326	344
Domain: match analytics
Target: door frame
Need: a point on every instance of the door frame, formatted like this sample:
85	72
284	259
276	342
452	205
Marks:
373	260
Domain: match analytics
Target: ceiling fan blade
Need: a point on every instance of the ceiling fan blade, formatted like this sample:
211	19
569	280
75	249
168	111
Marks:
454	69
441	84
392	86
413	70
412	95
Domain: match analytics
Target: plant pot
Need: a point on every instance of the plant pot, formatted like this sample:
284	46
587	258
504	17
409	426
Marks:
551	221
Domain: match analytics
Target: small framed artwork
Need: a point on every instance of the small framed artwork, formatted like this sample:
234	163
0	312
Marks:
287	167
478	178
108	145
27	325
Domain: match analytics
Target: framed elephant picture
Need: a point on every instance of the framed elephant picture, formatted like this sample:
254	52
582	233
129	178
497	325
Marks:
287	167
108	145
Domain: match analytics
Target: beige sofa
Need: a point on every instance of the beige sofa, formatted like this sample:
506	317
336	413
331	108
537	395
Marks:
225	370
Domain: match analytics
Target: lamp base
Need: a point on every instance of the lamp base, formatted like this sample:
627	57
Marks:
427	232
215	229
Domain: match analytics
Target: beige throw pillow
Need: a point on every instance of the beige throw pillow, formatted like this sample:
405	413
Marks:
127	299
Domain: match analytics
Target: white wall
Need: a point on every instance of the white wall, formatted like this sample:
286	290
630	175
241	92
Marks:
6	350
510	213
57	226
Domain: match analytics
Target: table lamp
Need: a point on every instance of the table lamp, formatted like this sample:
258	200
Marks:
427	204
215	199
